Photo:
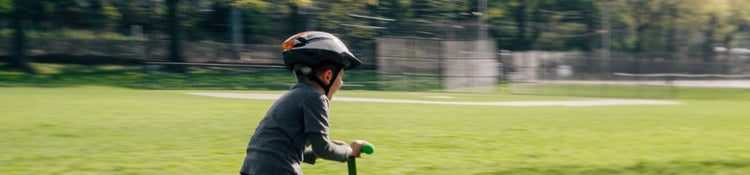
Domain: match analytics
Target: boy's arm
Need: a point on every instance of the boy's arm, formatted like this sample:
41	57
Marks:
326	149
309	157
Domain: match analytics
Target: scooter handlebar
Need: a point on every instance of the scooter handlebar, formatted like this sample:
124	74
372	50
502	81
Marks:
368	148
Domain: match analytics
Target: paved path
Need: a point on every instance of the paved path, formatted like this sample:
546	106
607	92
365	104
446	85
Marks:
680	83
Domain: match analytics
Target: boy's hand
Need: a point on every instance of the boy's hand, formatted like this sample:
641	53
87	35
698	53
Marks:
357	147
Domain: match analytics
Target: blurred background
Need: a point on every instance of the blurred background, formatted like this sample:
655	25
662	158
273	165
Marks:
554	47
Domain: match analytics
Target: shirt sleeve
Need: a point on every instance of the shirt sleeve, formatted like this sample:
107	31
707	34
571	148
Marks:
309	157
315	111
325	149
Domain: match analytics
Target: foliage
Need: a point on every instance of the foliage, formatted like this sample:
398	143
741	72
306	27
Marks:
669	26
249	4
6	6
655	26
111	14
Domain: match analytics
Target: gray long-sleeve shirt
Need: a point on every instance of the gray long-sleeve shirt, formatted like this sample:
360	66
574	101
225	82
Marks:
298	119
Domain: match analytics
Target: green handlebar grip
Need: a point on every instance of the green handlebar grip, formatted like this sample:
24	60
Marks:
368	148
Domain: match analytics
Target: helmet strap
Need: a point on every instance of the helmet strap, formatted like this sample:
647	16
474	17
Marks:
326	88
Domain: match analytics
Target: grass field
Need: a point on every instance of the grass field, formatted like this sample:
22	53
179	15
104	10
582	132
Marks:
114	130
198	77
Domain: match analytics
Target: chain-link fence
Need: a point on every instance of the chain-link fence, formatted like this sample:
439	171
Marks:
623	74
417	45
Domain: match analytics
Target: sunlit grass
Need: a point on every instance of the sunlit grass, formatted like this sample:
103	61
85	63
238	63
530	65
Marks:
106	130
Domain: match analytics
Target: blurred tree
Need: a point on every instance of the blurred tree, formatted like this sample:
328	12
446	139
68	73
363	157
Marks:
396	10
584	15
672	14
18	46
709	33
175	45
111	15
262	22
567	25
527	17
6	8
422	9
643	15
338	19
724	20
300	17
236	9
675	25
721	22
142	13
672	27
739	16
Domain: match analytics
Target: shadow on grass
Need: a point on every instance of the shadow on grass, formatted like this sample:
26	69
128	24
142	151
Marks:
145	77
137	77
673	167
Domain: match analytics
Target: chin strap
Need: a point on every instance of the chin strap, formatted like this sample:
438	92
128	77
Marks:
326	88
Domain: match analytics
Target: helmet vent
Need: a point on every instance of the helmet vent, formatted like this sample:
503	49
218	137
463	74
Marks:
302	42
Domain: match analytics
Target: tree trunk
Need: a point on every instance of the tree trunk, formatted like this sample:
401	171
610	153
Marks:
18	45
175	48
589	18
235	32
536	29
519	15
707	47
293	20
671	44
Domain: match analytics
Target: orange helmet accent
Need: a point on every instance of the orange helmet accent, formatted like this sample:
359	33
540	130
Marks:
289	44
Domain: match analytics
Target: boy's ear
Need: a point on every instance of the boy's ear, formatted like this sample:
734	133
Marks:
326	76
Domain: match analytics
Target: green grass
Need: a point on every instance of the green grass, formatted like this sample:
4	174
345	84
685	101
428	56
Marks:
71	34
114	130
140	77
61	75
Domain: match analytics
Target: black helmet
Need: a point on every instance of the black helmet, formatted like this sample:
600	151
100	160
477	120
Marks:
314	47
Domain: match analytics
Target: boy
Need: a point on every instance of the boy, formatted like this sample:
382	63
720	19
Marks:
300	117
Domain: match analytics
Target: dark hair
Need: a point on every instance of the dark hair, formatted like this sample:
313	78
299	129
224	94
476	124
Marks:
317	69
